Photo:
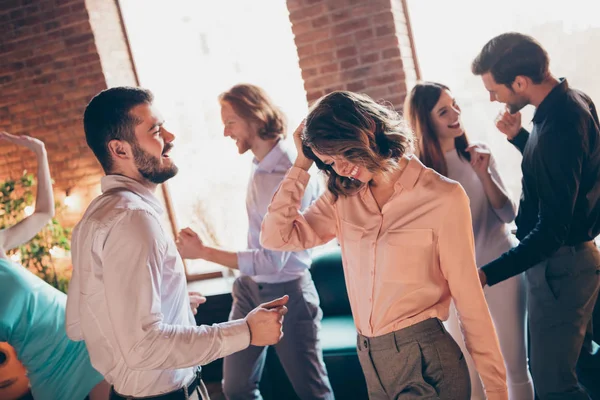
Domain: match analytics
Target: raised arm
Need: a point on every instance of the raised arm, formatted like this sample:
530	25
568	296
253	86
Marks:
285	227
510	125
28	227
253	261
485	167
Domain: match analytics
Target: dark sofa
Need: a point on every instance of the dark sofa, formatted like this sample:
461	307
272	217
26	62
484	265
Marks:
338	335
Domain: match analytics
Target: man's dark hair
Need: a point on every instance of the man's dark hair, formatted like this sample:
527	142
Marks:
512	54
107	117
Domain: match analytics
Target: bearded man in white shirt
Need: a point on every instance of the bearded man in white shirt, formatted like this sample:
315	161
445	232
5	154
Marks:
128	297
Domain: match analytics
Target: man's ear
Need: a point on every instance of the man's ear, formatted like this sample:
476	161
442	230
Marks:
521	84
119	149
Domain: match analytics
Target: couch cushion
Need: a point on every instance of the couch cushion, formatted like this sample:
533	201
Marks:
338	335
328	274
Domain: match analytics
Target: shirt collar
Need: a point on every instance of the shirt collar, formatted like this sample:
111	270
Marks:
409	176
271	160
120	182
547	105
411	173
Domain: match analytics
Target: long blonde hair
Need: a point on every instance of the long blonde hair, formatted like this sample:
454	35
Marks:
254	105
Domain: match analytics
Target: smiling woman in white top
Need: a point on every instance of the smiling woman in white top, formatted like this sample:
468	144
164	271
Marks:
433	114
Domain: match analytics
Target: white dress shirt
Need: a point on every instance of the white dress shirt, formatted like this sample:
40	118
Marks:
263	265
128	297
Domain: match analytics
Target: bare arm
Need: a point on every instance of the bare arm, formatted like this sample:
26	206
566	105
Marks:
28	227
484	166
497	197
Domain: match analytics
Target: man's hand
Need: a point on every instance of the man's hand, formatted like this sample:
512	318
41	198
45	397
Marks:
265	322
190	245
195	300
482	277
509	124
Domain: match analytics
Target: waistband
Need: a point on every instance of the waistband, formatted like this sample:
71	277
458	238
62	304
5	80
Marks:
179	394
574	249
397	338
292	284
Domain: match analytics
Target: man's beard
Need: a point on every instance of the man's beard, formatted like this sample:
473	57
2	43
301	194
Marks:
515	108
149	165
243	146
517	105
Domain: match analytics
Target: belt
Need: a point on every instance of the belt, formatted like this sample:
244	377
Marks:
575	248
179	394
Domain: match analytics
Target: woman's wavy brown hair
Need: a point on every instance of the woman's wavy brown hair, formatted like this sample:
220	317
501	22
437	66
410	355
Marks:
357	128
253	104
417	110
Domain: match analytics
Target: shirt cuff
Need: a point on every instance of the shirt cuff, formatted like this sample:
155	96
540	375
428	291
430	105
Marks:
299	174
497	395
521	139
494	271
245	262
236	336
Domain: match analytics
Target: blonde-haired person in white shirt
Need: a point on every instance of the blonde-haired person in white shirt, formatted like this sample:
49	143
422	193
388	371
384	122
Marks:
128	298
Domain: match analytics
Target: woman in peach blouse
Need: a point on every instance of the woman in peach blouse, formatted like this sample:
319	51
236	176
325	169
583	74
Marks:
407	248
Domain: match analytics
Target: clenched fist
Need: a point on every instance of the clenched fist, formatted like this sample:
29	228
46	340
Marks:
509	124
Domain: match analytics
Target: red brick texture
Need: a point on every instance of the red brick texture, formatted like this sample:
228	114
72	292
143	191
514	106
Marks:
357	45
51	54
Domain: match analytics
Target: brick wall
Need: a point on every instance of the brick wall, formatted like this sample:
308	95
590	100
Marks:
111	43
50	67
357	45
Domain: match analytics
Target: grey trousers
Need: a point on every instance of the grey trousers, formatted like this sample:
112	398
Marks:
562	292
421	361
299	351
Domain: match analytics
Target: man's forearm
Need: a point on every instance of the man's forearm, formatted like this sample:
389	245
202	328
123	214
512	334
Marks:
520	140
225	258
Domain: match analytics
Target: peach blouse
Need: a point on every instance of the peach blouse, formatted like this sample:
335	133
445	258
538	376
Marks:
402	264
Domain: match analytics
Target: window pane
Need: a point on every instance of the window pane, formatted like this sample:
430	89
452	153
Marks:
449	34
189	52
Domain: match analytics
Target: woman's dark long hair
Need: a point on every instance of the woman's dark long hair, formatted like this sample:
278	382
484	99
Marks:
417	111
354	126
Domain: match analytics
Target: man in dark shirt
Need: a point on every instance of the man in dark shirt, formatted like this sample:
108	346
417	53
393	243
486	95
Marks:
559	213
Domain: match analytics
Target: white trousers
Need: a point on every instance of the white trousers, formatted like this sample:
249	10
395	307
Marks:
507	303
